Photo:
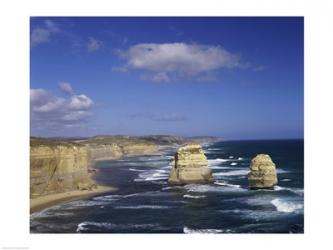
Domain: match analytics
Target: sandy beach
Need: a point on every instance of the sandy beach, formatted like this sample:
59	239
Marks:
46	201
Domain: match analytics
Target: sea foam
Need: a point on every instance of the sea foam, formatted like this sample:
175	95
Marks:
286	206
142	207
194	196
232	173
201	231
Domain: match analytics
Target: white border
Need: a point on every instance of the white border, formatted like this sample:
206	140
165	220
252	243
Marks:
15	116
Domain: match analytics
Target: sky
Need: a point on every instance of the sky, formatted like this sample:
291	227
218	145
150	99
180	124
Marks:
232	77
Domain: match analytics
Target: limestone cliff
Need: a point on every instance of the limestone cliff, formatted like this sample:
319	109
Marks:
262	173
114	151
190	166
104	151
139	149
58	167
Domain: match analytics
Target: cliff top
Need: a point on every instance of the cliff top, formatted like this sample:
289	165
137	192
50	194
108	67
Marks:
121	140
40	141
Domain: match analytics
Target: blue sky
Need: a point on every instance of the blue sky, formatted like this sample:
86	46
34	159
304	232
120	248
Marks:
239	78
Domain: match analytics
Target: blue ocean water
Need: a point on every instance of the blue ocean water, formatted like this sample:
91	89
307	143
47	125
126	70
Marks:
145	203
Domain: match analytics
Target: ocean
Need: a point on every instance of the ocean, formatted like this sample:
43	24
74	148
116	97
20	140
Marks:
145	203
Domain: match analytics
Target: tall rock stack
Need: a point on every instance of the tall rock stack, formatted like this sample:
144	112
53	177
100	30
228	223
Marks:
262	173
190	166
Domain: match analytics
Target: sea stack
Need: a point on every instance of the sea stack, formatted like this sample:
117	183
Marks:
262	173
190	166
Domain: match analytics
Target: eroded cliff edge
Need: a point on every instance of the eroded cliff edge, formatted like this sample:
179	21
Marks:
58	166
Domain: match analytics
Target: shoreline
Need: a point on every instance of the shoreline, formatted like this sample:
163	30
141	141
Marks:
46	201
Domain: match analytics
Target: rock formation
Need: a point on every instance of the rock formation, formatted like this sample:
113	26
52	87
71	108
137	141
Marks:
190	166
262	173
58	167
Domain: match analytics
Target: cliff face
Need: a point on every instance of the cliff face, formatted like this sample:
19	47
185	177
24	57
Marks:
114	151
190	166
104	152
262	173
58	168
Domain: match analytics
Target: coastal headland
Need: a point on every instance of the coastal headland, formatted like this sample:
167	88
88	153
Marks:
62	169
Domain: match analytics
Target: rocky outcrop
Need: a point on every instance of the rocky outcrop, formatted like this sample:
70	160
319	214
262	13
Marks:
262	173
58	167
190	166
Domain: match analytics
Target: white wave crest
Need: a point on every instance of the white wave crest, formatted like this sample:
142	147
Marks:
298	191
281	171
142	207
216	161
136	170
232	173
158	174
83	226
201	231
214	149
233	163
286	206
202	188
226	184
194	196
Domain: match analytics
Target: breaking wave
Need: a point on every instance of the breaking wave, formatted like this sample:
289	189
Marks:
84	226
202	188
142	207
286	206
232	173
226	184
194	196
201	231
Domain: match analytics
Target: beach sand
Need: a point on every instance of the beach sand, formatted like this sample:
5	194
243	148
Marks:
46	201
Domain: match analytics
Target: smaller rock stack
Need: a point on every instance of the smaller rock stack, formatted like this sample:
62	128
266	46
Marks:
190	166
262	173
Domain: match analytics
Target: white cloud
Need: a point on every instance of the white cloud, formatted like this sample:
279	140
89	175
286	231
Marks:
80	102
39	35
66	87
94	44
49	111
43	34
42	101
177	58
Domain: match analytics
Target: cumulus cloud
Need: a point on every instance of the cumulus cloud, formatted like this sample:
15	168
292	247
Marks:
48	111
78	102
94	44
182	59
66	88
167	117
43	34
